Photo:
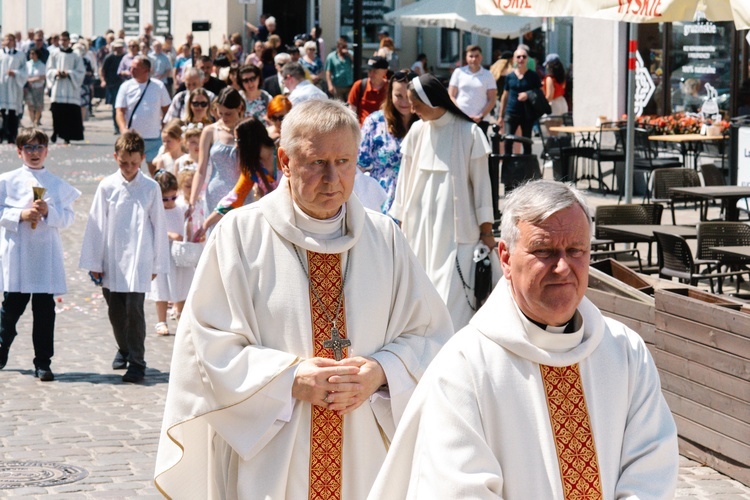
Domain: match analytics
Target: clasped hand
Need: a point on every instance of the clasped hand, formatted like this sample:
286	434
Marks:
340	386
35	214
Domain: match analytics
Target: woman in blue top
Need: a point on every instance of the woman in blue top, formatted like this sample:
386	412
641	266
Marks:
514	108
382	133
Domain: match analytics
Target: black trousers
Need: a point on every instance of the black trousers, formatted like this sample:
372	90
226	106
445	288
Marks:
128	319
10	125
512	122
43	331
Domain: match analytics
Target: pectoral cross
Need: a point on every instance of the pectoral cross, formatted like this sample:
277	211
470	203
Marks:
336	343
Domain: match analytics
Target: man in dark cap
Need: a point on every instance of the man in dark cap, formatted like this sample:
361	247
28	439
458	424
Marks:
368	94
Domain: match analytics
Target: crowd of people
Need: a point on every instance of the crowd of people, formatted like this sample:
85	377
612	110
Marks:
312	306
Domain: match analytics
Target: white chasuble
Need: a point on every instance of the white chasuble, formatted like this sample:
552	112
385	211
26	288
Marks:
11	87
485	422
66	90
231	427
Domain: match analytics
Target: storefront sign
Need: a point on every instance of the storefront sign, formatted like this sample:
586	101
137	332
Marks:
131	16
162	17
644	85
372	17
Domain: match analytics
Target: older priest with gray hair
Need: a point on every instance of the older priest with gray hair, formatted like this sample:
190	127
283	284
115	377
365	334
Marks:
540	396
308	325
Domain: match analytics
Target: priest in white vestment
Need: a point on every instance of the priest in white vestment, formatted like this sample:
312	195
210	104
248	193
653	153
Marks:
65	74
540	396
258	404
443	196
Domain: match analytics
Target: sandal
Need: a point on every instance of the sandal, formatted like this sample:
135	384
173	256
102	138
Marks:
162	329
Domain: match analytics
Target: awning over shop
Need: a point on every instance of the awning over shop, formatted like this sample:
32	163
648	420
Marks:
634	11
460	14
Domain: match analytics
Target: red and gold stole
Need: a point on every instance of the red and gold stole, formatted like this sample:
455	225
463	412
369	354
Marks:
327	429
571	427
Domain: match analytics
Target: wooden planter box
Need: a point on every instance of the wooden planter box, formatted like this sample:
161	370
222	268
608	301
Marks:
624	274
702	350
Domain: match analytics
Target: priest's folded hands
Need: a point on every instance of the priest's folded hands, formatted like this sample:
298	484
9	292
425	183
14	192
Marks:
340	386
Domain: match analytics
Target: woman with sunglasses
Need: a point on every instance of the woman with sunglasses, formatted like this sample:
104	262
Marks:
197	107
443	196
256	99
514	111
277	110
382	133
218	152
257	160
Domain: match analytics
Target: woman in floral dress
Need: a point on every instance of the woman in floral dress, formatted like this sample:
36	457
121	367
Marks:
382	133
256	99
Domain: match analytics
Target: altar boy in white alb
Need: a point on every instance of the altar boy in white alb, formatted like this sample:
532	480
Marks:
124	247
540	396
13	77
34	205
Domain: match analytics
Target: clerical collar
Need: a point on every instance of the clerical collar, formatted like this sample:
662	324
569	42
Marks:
568	327
69	50
545	337
324	229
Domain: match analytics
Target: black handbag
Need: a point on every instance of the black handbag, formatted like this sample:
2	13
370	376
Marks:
538	103
482	281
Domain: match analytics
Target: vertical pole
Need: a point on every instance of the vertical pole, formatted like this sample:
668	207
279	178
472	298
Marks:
629	151
357	39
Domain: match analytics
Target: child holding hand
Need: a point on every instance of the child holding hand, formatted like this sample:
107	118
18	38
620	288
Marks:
172	286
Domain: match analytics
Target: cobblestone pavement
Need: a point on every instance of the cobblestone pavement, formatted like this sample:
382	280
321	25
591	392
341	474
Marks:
88	417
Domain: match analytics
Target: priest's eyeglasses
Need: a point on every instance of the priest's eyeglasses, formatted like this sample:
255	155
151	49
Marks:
34	148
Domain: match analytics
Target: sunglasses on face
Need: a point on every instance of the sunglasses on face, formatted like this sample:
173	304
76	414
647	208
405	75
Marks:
169	198
249	79
200	104
521	57
404	76
33	148
278	118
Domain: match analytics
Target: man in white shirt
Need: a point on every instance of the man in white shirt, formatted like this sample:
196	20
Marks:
300	89
473	88
141	103
540	396
307	327
161	68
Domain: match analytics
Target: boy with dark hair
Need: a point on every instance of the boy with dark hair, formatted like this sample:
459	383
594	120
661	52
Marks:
124	247
34	205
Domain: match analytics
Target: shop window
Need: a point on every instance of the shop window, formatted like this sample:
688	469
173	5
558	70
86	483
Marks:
700	56
450	47
101	17
372	21
33	14
74	16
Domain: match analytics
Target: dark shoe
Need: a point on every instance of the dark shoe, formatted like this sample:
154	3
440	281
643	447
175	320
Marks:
120	362
53	138
44	375
134	374
3	356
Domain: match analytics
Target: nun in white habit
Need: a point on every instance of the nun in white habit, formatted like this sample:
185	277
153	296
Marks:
443	196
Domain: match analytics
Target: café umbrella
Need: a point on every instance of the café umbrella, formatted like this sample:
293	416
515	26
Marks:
632	11
460	15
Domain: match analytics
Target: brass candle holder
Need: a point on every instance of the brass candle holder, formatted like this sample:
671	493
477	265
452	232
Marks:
38	194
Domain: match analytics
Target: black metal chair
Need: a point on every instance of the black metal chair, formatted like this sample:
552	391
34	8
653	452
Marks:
552	145
724	234
646	158
609	148
624	214
662	179
676	261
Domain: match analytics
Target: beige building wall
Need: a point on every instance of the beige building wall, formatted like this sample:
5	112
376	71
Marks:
599	70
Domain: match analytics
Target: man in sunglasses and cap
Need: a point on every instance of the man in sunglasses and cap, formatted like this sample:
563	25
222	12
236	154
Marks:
368	94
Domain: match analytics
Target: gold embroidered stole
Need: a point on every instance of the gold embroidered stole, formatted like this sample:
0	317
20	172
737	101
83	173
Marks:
571	427
327	427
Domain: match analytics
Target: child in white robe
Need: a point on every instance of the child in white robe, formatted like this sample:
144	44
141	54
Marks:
31	249
171	138
124	247
191	140
174	285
